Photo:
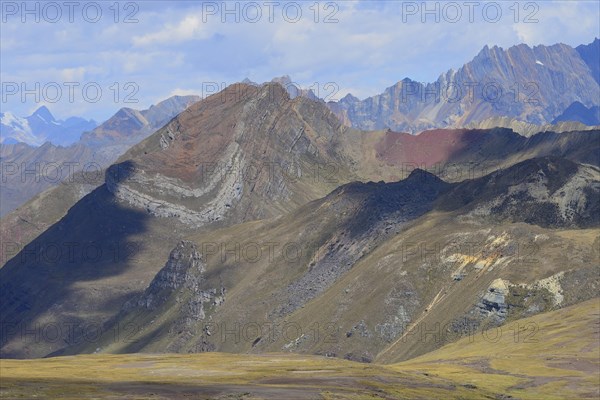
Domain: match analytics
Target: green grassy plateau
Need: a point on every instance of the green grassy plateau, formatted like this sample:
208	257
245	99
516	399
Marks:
554	355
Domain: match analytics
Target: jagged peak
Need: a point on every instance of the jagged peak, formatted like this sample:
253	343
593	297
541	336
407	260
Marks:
175	98
247	81
44	113
349	98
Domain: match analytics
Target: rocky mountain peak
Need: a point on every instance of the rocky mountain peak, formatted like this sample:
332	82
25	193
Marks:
205	155
44	113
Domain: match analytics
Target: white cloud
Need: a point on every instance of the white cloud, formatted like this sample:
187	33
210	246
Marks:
73	74
570	22
181	92
190	27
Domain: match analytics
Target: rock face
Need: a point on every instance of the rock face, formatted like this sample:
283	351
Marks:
180	289
494	300
183	270
590	53
534	85
181	277
115	175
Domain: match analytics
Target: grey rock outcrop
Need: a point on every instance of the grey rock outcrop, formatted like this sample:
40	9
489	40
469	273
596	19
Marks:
494	300
182	277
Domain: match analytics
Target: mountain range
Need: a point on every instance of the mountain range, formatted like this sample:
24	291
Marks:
253	169
545	88
530	84
305	236
41	127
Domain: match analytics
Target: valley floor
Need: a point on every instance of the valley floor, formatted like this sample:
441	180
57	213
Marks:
554	355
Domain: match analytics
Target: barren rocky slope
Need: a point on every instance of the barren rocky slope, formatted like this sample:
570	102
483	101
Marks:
246	153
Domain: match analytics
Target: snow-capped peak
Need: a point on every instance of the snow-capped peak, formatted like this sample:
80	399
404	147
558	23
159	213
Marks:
17	129
9	119
41	127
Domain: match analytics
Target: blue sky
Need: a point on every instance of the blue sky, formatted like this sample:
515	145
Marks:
150	50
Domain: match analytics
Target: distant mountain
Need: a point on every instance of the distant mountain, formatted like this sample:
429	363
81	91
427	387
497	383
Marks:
534	85
129	126
15	129
591	55
577	112
527	129
48	165
41	127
